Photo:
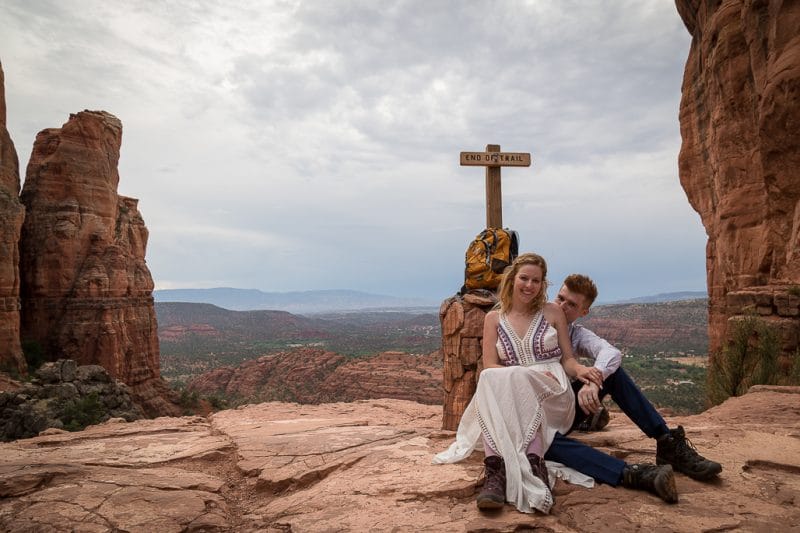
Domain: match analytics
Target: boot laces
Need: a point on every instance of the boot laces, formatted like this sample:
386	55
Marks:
493	480
685	449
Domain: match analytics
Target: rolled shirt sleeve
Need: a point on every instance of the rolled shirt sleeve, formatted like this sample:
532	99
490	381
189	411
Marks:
585	343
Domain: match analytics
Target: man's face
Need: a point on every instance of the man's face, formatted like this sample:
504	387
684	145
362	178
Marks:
573	304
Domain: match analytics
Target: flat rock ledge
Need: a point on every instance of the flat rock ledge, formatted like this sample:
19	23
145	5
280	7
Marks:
366	466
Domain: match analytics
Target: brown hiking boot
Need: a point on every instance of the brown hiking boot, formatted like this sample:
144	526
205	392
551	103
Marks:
676	450
656	479
493	495
539	468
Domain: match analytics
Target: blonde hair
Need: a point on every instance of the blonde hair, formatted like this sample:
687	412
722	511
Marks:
506	289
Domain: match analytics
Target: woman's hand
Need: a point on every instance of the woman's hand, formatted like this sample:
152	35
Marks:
550	375
589	374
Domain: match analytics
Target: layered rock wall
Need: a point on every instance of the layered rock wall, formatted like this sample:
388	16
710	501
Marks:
11	216
740	158
86	290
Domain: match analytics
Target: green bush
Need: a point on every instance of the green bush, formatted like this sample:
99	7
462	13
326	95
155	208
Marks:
34	355
217	401
750	357
188	401
83	412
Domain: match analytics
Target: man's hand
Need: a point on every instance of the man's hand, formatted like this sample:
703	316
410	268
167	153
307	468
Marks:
590	374
589	398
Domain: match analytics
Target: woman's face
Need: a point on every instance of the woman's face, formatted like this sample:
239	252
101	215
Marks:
527	284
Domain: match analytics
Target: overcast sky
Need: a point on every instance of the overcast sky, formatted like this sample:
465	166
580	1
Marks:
296	145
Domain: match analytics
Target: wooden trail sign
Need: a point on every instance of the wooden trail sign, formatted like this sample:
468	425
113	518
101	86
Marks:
493	159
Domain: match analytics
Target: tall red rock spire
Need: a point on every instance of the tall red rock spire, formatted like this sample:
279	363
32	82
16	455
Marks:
11	216
740	158
86	290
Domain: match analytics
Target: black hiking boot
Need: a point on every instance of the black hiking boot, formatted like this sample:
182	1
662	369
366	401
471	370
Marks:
676	450
656	479
493	495
539	469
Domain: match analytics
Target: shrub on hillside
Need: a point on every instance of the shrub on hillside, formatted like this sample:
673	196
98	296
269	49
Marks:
750	357
83	412
34	355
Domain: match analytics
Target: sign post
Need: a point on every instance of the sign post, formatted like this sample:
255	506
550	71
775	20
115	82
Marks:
493	159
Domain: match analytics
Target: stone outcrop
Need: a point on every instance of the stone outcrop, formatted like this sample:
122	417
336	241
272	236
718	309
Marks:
64	395
311	376
12	215
395	375
462	319
739	161
86	290
366	466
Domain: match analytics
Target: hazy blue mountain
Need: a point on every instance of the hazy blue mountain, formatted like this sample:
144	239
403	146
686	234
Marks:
664	297
318	301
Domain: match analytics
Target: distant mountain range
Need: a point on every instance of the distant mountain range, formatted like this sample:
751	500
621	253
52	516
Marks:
318	301
338	300
663	297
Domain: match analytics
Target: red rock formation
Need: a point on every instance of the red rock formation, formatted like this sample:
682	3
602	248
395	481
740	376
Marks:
740	118
396	375
11	216
308	375
86	290
462	355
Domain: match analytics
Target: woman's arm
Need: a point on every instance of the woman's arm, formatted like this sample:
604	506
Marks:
587	374
489	345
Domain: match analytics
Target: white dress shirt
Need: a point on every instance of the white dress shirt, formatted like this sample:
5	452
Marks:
586	343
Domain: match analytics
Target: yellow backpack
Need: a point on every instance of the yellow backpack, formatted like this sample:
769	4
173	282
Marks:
487	257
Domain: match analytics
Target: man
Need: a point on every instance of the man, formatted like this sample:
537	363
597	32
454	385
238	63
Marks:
673	451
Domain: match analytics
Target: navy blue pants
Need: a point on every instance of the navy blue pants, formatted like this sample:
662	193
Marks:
594	463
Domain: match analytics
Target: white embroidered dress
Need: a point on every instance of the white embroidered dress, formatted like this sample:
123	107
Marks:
512	403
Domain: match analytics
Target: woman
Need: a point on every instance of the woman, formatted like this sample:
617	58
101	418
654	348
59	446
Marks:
524	395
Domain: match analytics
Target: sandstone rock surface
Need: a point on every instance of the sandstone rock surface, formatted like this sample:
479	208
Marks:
308	375
739	161
12	214
86	289
366	466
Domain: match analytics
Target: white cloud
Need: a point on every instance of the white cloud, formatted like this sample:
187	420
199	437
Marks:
335	127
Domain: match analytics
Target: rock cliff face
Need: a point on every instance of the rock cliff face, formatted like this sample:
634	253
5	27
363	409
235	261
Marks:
366	466
740	118
86	290
11	216
315	376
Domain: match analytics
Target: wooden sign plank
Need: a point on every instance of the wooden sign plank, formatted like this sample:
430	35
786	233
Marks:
495	159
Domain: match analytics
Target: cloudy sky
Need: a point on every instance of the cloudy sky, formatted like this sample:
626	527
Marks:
295	144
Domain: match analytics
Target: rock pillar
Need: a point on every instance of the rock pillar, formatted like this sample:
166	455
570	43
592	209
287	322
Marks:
12	214
462	319
740	158
86	290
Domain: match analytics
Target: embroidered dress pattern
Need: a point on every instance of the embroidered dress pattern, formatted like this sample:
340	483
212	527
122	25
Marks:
541	338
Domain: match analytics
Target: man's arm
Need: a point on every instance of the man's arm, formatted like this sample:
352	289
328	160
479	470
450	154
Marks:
586	343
